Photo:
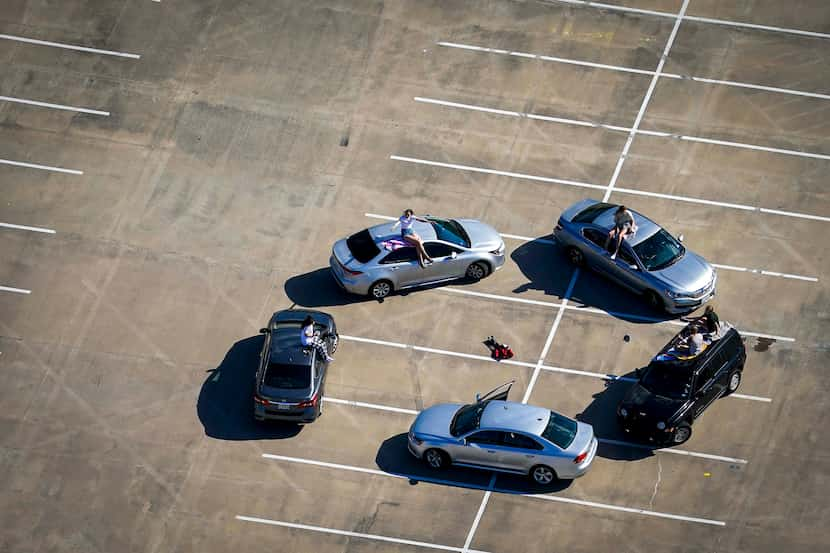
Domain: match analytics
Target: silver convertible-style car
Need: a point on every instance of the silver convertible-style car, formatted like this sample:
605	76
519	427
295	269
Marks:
377	262
652	263
504	436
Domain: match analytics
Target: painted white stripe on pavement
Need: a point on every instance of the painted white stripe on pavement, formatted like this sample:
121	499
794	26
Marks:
14	290
371	406
748	85
42	167
794	214
683	452
479	514
24	227
53	106
375	537
370	341
753	398
69	46
726	22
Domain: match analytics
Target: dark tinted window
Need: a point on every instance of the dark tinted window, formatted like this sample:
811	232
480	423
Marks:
667	380
659	250
434	249
588	214
401	255
450	231
518	440
597	237
708	371
626	257
560	430
467	419
490	437
292	377
362	246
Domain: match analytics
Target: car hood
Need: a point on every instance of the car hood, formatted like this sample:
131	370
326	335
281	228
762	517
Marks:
435	420
691	273
482	236
638	400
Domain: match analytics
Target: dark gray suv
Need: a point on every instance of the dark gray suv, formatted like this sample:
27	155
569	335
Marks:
291	378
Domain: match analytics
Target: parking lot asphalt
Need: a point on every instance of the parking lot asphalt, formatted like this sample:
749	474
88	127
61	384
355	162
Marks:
173	172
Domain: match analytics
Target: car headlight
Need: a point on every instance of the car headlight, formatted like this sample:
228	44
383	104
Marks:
661	425
414	439
674	294
499	250
623	412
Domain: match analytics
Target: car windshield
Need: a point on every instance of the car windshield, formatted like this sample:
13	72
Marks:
290	377
467	418
450	231
590	213
659	250
362	246
667	380
560	430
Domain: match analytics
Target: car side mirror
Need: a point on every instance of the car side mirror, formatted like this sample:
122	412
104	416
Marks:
680	237
633	267
453	255
478	398
265	331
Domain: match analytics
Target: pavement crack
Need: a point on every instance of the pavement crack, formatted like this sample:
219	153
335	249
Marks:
656	484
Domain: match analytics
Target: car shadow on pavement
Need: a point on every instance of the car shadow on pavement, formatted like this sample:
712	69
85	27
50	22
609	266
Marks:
394	458
225	404
601	413
547	269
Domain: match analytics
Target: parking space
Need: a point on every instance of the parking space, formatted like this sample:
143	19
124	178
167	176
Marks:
175	172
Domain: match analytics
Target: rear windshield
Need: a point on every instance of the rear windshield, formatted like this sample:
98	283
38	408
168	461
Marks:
560	430
290	377
588	214
362	246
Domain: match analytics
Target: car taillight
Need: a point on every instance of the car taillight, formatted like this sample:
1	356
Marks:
260	400
347	270
309	403
581	457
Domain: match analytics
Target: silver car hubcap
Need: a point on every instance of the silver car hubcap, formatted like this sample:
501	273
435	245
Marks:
434	459
380	290
475	271
542	475
734	382
681	435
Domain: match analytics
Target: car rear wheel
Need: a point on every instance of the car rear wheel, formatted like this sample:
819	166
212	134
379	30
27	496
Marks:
733	383
436	459
476	271
542	475
681	434
575	256
380	289
653	300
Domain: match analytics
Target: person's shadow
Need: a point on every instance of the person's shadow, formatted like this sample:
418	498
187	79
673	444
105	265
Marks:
393	457
225	404
544	263
601	413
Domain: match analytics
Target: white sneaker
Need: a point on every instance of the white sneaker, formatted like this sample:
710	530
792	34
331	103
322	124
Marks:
613	256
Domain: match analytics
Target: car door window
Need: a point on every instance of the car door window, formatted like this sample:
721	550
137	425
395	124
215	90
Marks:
486	437
596	237
625	256
436	249
401	255
520	441
707	372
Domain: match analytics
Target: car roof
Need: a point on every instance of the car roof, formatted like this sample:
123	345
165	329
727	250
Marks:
385	231
645	226
690	365
286	347
510	415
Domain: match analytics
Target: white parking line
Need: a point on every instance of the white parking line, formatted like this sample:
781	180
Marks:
41	167
525	364
623	69
631	130
53	106
14	290
725	22
24	227
479	514
763	272
675	451
375	537
69	46
646	100
485	170
492	488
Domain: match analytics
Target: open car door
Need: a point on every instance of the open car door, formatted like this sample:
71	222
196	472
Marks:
499	392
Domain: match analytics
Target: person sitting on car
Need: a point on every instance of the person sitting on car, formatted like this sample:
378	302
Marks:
311	338
624	226
693	343
409	235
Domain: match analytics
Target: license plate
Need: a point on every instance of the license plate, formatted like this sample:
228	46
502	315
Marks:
283	406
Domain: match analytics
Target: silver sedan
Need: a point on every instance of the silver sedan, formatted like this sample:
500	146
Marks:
504	436
376	261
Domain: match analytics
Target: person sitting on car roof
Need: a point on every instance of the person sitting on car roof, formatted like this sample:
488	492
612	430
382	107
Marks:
412	238
624	226
693	343
311	338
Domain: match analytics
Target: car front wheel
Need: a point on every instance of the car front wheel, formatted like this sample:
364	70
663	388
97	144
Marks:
542	475
733	382
380	289
436	459
476	271
575	256
681	434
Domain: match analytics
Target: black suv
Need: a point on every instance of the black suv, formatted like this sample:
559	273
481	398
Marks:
674	390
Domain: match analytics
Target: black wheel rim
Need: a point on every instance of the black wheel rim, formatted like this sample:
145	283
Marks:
434	459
